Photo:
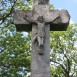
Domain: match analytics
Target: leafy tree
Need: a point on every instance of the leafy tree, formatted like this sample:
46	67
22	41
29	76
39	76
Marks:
14	47
14	53
63	52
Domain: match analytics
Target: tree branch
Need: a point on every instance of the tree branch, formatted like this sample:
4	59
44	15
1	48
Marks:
59	64
7	15
68	62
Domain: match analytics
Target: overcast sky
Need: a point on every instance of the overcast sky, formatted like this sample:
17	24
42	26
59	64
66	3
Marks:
70	5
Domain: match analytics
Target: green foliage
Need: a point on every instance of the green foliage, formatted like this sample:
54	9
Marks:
51	7
14	53
63	51
15	49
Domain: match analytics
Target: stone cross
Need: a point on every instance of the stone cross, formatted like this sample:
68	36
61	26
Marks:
41	21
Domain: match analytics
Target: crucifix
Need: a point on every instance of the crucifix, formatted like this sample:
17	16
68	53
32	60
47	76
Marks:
41	21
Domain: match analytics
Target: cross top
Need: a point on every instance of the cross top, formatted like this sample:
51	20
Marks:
57	19
41	2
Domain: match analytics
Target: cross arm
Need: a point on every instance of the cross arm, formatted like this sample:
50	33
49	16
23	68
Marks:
59	20
22	20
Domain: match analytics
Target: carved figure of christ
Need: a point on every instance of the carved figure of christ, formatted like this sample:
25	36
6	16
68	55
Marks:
41	21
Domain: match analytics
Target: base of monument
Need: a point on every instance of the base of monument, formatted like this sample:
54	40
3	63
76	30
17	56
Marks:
40	75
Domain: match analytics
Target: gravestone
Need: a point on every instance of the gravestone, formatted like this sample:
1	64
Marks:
41	21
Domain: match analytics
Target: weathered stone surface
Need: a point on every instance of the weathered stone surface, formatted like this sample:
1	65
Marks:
62	22
41	21
56	24
41	2
40	63
20	21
